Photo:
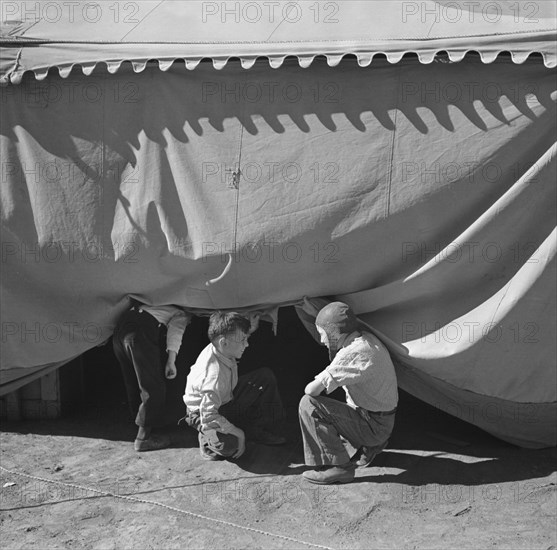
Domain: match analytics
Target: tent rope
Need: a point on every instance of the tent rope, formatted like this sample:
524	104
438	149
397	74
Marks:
234	184
167	506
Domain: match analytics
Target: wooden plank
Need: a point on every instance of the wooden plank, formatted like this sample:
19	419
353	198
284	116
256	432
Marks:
50	386
47	397
31	390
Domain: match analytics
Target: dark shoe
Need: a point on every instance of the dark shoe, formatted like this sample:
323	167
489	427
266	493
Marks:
153	443
330	475
267	438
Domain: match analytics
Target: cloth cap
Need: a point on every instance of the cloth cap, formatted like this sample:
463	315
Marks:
339	315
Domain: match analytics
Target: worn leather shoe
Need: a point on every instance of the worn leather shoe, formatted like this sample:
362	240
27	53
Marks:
153	443
331	474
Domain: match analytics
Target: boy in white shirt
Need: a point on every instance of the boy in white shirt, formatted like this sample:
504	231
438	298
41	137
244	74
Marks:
223	407
361	364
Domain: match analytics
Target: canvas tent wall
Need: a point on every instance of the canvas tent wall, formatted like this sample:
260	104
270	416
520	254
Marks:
420	189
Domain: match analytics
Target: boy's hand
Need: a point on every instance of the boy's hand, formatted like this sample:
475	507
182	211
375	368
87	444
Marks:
170	369
241	443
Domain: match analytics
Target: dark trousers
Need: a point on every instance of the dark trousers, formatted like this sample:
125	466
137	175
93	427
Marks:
137	344
255	406
324	420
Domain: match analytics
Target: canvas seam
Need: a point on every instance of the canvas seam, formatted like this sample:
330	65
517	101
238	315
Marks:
392	151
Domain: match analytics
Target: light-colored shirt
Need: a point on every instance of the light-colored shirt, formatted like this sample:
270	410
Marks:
363	367
176	321
210	384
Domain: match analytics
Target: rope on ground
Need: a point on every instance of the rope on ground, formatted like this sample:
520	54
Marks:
168	507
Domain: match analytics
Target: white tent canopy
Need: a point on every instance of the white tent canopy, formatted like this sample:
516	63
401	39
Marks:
419	188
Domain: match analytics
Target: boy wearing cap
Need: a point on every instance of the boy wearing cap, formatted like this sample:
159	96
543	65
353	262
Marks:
223	407
361	364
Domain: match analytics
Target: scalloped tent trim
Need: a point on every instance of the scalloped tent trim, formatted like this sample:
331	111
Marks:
166	31
275	62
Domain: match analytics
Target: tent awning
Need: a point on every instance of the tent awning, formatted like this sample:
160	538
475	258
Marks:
38	36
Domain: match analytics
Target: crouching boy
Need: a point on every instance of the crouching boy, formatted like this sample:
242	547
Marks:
362	366
224	408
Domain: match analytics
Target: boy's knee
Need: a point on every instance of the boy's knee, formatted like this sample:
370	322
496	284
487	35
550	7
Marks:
307	404
265	375
262	378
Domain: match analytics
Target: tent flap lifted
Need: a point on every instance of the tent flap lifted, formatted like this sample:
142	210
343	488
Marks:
421	194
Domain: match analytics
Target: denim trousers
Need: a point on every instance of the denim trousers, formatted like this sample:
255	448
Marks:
324	421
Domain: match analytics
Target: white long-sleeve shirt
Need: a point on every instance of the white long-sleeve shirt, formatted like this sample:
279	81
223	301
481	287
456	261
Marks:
210	384
176	321
363	367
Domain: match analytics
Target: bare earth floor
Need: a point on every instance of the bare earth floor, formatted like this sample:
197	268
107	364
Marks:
441	483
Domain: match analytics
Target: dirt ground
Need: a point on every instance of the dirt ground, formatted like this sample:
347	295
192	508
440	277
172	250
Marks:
441	483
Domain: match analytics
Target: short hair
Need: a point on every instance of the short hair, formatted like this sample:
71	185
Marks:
225	323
